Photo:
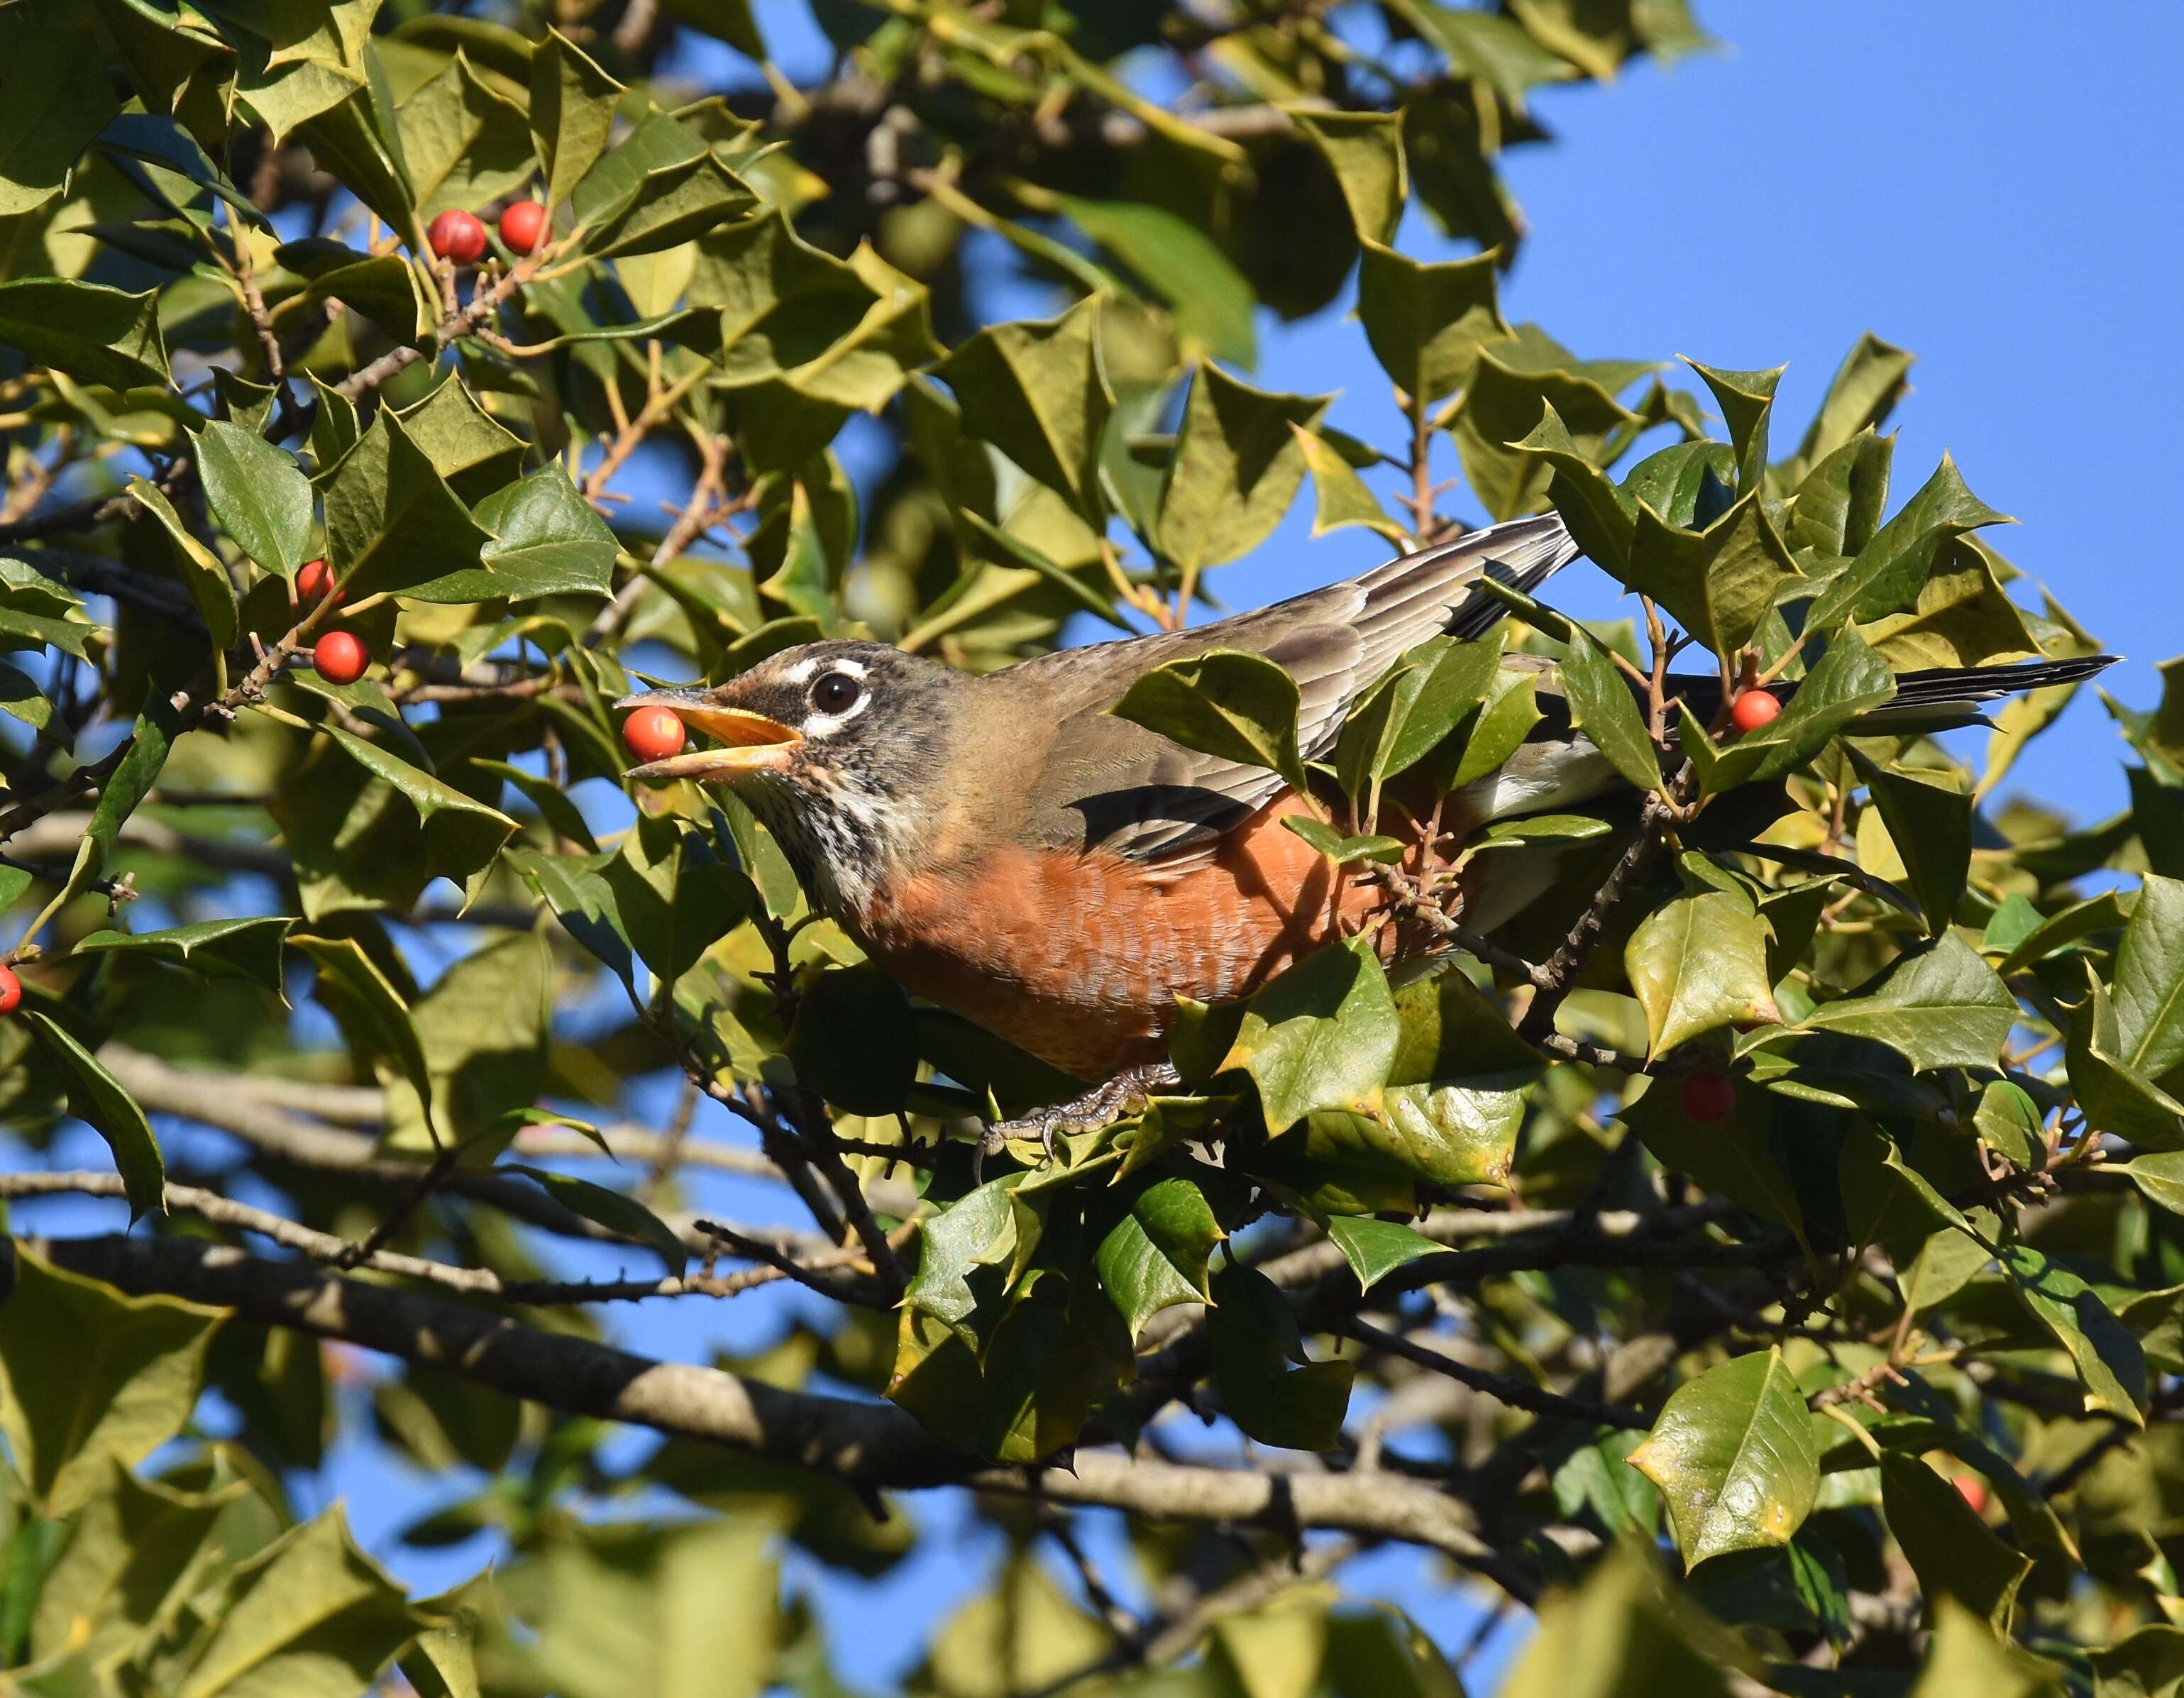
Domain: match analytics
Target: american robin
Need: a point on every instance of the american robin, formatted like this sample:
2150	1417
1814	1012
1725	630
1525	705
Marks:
1010	849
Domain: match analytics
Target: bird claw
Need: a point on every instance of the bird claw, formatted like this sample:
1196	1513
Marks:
1128	1090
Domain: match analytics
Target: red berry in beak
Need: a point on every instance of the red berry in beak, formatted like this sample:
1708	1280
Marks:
653	734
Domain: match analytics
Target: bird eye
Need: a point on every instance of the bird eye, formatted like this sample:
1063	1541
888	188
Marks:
835	692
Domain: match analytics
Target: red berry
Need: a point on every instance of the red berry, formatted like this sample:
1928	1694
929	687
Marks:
522	222
1974	1493
1708	1099
653	734
457	235
315	583
1753	710
341	657
11	990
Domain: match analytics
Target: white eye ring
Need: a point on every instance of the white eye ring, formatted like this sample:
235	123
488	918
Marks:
834	693
830	715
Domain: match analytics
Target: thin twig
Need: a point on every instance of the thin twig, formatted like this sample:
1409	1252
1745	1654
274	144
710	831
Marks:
1516	1393
337	1252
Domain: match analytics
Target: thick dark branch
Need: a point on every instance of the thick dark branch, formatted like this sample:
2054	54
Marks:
870	1445
1558	973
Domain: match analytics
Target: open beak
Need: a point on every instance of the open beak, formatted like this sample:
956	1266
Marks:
750	741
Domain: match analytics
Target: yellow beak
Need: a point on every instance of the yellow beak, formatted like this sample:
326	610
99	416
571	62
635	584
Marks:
749	742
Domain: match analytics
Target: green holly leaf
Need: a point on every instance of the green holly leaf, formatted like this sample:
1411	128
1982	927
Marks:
1154	1256
1269	1386
1733	1454
259	495
248	949
1320	1036
97	1098
1954	1554
1235	469
1697	963
615	1210
136	1366
1374	1249
1228	703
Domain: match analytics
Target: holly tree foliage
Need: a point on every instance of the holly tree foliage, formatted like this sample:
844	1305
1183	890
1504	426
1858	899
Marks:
1757	1252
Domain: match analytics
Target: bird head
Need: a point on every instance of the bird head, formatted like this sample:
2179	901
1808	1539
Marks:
833	745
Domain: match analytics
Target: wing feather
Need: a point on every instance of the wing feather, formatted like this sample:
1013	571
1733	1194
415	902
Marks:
1133	793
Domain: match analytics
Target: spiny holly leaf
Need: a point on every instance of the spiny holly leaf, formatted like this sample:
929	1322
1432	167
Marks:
1697	964
1235	469
1888	571
572	113
1270	1388
1365	151
1941	1007
1746	398
1415	708
94	333
988	1227
1154	1256
1600	516
1719	583
1428	322
1341	497
307	1611
1839	505
1604	708
1226	702
247	948
1040	391
201	570
352	988
614	1210
1949	1548
2109	1364
97	1098
135	1366
1374	1249
1733	1454
1319	1037
1929	816
1860	397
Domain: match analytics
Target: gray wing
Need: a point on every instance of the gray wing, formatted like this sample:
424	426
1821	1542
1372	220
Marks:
1120	787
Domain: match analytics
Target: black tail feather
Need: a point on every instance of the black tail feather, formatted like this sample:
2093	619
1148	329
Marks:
1931	699
1953	684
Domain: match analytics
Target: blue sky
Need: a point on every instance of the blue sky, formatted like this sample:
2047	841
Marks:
1992	188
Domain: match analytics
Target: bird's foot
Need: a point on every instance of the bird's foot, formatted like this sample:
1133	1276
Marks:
1128	1090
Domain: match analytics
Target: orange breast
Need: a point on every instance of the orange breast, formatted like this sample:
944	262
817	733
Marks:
1078	959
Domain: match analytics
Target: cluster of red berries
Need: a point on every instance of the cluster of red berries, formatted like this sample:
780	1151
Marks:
460	237
339	656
